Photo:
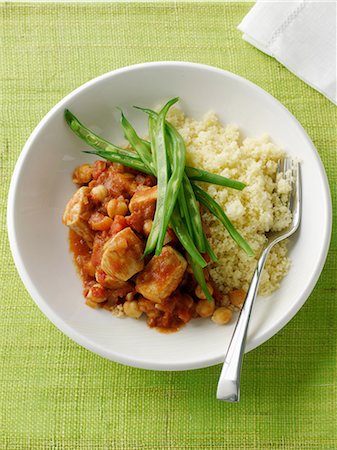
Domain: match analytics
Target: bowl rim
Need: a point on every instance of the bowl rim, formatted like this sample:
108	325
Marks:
80	338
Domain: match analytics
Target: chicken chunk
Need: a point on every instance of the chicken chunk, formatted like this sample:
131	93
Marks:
109	281
76	214
122	255
162	275
119	184
143	199
142	207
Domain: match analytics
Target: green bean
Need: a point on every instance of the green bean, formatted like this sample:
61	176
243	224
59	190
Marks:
152	126
194	214
199	276
209	250
121	159
162	177
218	212
176	154
147	111
188	207
184	213
184	230
141	147
208	177
92	139
185	239
192	207
147	144
197	270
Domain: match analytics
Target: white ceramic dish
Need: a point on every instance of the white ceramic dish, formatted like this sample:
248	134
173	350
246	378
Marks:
41	186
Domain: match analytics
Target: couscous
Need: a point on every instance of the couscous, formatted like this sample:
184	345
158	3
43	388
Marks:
257	209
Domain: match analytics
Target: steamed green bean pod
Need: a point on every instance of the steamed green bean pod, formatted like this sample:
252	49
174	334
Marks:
185	239
121	159
138	144
197	230
195	174
199	276
218	212
160	148
95	141
176	155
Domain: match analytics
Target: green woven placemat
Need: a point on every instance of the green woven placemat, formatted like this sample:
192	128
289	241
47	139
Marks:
55	394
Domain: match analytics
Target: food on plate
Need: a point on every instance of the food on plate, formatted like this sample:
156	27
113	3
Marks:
162	275
122	255
170	226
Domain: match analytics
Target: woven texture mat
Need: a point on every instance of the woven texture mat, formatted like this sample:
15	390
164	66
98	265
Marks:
55	394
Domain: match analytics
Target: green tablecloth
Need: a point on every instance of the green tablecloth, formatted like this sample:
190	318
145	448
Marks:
55	394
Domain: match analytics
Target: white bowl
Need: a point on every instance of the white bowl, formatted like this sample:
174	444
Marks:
41	186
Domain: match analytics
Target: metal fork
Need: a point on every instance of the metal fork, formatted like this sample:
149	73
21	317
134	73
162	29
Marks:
229	381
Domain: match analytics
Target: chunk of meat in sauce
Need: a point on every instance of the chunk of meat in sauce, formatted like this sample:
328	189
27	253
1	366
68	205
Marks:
145	200
108	246
142	207
111	282
117	183
100	239
162	275
122	255
76	215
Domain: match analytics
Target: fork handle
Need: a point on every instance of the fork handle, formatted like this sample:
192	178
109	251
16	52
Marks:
229	381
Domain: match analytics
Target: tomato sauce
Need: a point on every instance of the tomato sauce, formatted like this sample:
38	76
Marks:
102	221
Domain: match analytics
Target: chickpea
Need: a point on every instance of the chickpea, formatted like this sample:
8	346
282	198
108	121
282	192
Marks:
116	207
92	304
99	222
237	297
130	296
82	174
222	315
200	293
205	308
97	294
131	309
147	226
98	193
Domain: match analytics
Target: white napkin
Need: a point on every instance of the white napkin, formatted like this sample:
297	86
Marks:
301	35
